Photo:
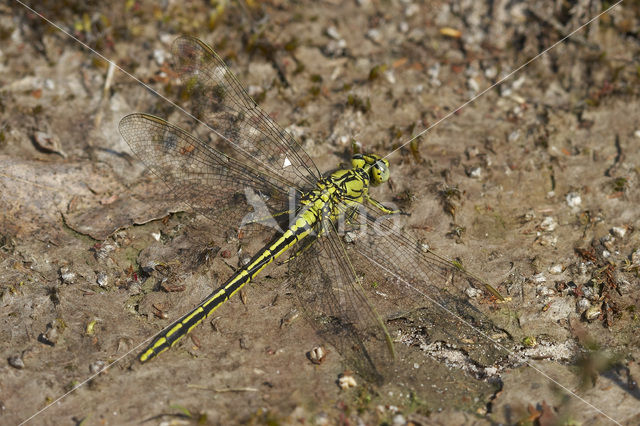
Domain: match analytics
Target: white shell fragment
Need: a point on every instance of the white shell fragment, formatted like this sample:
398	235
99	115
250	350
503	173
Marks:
548	224
573	199
555	269
347	381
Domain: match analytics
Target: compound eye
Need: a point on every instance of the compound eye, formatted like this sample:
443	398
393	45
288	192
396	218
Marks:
380	172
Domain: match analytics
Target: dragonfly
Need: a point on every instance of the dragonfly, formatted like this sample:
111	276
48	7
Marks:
343	245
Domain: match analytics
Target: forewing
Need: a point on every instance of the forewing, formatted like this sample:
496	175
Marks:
243	130
212	183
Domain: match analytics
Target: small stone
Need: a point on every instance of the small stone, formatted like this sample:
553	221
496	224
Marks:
475	172
548	224
102	279
67	276
349	237
573	199
544	291
547	240
333	33
472	292
347	381
50	336
555	269
582	305
96	367
592	313
472	84
619	231
517	84
321	419
374	35
411	10
160	56
317	355
399	420
539	278
16	362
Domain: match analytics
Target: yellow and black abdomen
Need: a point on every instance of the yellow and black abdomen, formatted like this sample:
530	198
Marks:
184	325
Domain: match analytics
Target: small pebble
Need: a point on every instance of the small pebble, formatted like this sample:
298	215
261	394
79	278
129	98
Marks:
50	336
592	313
547	240
16	362
399	420
548	224
555	269
333	33
475	172
160	56
544	291
472	84
583	304
472	292
411	10
317	355
374	35
349	237
539	278
619	231
517	84
102	279
347	381
96	367
321	419
573	199
67	276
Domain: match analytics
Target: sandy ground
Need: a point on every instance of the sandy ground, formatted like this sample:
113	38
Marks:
533	186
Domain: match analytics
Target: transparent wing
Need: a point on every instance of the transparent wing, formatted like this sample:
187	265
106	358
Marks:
213	184
331	296
338	283
412	276
242	130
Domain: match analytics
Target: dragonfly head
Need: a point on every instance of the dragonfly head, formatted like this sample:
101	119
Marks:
378	168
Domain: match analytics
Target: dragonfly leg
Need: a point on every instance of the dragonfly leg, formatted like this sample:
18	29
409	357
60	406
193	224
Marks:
383	209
